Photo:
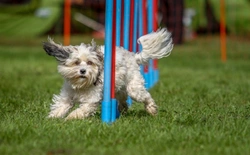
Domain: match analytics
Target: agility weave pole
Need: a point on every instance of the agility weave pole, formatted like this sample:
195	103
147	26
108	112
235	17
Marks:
108	111
125	22
128	14
223	31
66	22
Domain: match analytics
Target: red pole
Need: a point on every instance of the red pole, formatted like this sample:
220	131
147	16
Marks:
155	26
145	28
155	15
66	32
113	51
223	31
144	16
131	24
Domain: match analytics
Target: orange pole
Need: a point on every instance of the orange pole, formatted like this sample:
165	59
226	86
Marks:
223	31
66	29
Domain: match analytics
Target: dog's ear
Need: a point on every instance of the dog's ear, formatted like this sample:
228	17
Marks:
99	55
96	49
61	53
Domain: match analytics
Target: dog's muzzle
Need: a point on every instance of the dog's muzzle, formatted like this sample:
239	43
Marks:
83	72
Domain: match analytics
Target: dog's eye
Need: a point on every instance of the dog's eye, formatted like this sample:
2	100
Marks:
77	62
89	63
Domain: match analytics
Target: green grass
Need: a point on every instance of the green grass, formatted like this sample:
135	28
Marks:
204	105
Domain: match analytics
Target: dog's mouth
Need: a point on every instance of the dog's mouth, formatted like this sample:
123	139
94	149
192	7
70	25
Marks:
82	77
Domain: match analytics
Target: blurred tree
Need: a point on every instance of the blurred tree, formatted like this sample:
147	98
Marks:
14	1
213	24
19	6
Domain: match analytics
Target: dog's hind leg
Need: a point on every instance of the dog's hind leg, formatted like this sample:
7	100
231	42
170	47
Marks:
138	92
121	97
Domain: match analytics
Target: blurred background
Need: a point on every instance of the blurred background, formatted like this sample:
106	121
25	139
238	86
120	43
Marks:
186	19
204	102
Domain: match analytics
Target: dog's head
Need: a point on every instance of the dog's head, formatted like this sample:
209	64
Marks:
80	65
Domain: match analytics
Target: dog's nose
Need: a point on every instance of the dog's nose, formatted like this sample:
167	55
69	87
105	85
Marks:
83	71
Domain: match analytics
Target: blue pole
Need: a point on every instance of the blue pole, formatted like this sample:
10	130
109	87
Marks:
141	29
126	32
126	23
106	103
118	22
150	29
115	111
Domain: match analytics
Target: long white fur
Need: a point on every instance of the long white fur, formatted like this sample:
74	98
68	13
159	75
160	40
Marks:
155	45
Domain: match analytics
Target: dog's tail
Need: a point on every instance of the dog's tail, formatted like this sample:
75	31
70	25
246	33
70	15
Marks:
155	45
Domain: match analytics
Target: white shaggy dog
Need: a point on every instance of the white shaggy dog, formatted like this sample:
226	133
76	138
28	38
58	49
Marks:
82	68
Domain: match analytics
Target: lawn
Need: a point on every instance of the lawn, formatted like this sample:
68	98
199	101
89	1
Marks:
204	105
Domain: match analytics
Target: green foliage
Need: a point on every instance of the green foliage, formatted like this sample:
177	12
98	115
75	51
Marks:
21	8
237	14
203	104
21	20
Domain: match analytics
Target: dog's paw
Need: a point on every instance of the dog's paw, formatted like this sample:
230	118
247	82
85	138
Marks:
53	114
76	114
59	110
152	109
123	108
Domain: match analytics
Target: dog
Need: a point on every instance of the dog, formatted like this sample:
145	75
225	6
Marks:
82	68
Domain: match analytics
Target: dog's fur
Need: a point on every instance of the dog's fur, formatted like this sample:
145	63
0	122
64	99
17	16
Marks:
82	68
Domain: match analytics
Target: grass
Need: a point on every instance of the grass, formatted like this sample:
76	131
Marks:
204	105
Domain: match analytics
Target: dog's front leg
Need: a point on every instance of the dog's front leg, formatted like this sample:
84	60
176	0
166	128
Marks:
61	106
84	110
